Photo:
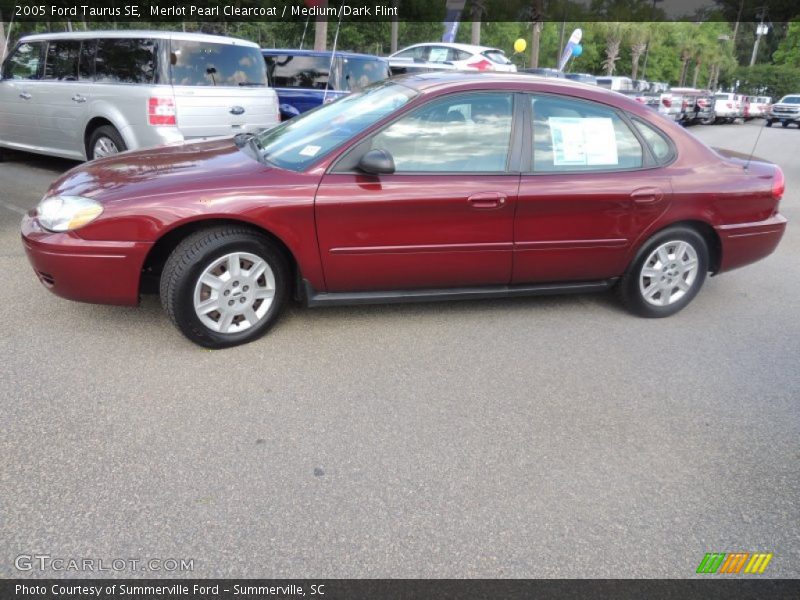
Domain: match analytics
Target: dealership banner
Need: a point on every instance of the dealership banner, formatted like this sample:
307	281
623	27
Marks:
397	589
144	11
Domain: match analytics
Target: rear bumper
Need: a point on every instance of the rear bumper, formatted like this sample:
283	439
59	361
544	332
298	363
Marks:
745	243
86	271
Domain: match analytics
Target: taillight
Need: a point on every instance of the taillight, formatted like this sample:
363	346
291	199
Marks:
641	99
702	102
666	101
481	65
778	184
685	104
730	105
161	111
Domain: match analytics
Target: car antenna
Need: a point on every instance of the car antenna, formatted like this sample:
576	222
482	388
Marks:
758	137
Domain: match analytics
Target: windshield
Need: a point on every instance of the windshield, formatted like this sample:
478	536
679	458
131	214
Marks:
790	100
297	143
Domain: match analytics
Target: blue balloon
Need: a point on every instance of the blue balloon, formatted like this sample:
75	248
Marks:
577	50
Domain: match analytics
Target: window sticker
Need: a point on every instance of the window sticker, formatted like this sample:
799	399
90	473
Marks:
310	150
583	142
438	55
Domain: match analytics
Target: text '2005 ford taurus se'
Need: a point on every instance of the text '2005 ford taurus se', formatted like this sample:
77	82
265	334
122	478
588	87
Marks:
434	186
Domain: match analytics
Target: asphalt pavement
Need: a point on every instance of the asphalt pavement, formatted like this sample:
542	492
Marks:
537	437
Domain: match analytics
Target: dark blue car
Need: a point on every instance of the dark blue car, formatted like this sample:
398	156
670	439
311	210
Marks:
304	79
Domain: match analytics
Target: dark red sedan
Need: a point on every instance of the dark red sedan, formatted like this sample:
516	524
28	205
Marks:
428	187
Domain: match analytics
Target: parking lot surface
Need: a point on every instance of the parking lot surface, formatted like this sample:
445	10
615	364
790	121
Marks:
537	437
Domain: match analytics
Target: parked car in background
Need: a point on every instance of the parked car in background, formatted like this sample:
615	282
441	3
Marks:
544	72
304	79
582	78
617	84
697	106
785	111
89	94
464	57
728	107
427	187
759	105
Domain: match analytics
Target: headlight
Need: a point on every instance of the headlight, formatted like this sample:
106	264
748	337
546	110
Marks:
64	213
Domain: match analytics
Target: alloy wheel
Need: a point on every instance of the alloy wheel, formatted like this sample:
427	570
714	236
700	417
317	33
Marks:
668	273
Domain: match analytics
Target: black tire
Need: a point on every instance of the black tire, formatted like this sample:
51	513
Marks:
629	289
785	124
108	132
768	123
188	262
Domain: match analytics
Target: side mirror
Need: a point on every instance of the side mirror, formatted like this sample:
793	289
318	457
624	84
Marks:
377	162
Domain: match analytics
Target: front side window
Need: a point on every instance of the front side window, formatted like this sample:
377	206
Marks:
307	72
297	143
463	133
24	62
122	60
210	64
575	135
62	60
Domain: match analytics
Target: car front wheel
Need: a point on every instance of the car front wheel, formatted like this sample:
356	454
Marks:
224	286
105	141
769	123
666	274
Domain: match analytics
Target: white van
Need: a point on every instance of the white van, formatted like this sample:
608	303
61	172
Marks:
84	95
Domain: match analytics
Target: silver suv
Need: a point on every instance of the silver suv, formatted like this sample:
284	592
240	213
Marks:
785	111
85	95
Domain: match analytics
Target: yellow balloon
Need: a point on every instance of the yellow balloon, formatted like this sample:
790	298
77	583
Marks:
520	45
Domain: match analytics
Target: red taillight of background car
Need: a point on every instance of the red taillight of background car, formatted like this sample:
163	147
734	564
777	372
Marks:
684	104
702	103
666	101
778	184
641	99
481	65
161	111
729	105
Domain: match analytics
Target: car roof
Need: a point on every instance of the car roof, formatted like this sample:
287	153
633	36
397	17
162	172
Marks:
139	33
465	47
432	80
325	53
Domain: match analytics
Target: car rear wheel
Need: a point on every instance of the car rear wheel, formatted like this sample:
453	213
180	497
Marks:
105	141
768	123
224	286
666	274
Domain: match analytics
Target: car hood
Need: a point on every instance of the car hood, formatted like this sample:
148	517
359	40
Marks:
177	168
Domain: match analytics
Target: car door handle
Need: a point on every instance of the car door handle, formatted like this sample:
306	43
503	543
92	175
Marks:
25	96
78	98
647	195
487	200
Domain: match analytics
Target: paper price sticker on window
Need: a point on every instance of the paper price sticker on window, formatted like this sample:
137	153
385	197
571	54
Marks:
310	150
583	142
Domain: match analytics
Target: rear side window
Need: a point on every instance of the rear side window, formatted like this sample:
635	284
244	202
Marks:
309	72
126	61
24	62
658	141
62	60
210	64
358	73
574	135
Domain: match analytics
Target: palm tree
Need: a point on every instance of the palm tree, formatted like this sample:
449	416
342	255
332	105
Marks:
614	33
638	36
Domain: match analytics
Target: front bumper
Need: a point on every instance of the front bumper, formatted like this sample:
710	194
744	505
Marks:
745	243
784	117
84	270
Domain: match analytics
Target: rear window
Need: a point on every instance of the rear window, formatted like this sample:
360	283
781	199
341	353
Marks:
211	64
496	56
126	61
358	73
310	72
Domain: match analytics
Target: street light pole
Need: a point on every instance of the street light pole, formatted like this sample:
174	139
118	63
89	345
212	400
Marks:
761	29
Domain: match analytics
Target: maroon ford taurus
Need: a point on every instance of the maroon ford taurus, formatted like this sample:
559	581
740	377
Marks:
435	186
